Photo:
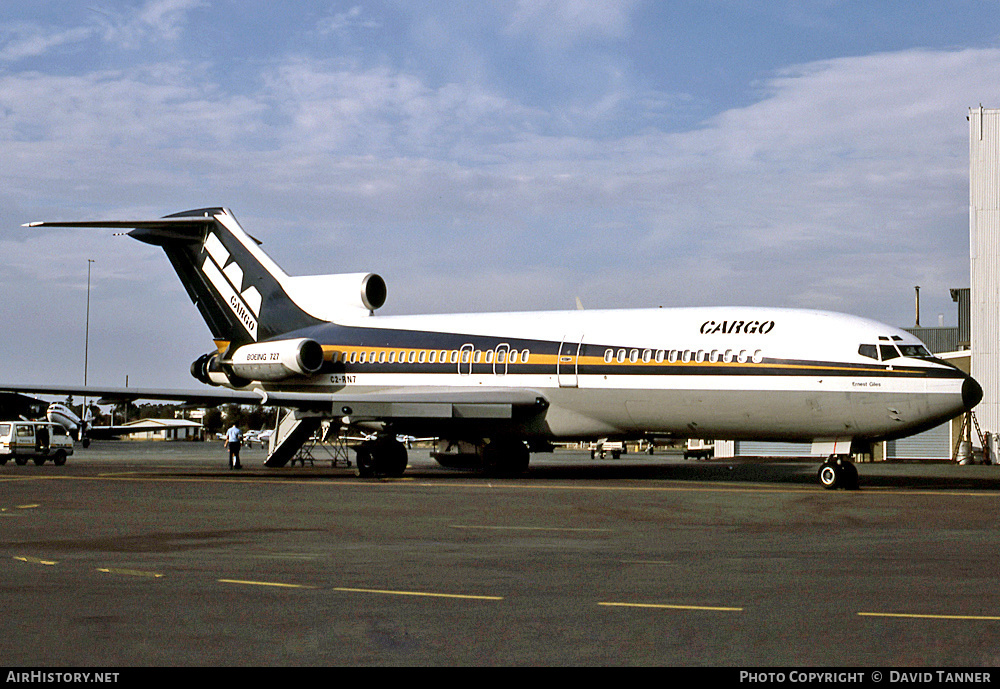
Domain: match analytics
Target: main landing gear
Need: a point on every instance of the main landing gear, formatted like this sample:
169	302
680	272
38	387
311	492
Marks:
382	457
838	472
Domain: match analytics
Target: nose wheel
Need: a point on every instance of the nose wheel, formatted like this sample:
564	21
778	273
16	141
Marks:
838	472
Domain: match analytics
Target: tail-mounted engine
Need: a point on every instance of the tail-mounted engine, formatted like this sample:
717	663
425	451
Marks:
266	361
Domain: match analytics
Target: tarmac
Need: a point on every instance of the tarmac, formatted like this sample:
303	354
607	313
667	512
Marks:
156	554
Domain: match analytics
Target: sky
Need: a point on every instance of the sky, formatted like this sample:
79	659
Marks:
487	156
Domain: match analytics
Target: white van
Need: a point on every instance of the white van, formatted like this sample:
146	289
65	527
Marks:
35	440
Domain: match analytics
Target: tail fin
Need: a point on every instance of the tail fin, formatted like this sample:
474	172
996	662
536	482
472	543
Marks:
237	288
241	293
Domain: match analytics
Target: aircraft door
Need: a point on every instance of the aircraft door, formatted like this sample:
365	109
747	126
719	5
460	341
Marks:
567	363
465	356
500	358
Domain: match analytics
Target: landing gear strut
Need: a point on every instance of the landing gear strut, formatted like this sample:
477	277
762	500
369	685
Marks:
383	457
838	472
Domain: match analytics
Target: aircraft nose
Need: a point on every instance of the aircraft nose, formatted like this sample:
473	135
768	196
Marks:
972	393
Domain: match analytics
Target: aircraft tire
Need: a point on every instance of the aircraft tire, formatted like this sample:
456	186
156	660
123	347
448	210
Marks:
829	475
365	464
390	458
506	458
838	473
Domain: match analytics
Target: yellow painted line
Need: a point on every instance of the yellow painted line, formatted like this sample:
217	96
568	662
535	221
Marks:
35	560
426	594
129	572
666	606
929	617
26	507
526	528
274	584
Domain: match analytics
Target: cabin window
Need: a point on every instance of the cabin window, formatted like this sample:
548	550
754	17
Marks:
524	355
620	358
454	356
742	358
647	355
381	357
477	356
609	354
659	356
728	356
888	352
914	350
868	350
392	357
633	356
673	356
686	356
422	357
758	356
713	356
362	357
489	356
513	356
699	356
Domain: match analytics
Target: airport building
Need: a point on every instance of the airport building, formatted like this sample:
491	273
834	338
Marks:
164	429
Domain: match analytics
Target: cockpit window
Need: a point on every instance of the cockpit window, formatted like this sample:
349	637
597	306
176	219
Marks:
888	352
868	350
914	350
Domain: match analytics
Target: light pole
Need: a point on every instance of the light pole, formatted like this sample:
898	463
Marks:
86	346
86	333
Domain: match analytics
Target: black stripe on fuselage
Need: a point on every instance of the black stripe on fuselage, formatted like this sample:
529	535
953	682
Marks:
543	356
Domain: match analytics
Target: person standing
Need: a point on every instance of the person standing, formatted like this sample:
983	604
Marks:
234	438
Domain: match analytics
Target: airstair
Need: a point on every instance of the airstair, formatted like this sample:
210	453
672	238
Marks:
294	430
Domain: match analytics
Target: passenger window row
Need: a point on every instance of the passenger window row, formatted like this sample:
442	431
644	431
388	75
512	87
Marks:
727	356
432	356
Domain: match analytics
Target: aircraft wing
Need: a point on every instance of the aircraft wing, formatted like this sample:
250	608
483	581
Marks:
208	397
429	403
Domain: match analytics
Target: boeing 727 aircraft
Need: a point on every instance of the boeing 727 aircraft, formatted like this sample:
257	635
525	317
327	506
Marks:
498	385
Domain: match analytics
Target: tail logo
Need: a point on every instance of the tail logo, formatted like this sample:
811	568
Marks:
227	278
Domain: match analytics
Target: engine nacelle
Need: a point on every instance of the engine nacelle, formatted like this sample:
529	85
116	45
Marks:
277	359
328	297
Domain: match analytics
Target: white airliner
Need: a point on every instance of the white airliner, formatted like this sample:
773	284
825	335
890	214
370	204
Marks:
84	430
501	384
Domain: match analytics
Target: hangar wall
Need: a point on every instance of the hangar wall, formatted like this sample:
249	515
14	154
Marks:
984	258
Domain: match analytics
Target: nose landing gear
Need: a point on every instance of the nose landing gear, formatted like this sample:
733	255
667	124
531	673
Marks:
838	472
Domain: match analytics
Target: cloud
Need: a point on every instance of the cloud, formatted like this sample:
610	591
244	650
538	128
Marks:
154	21
841	187
32	41
561	23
